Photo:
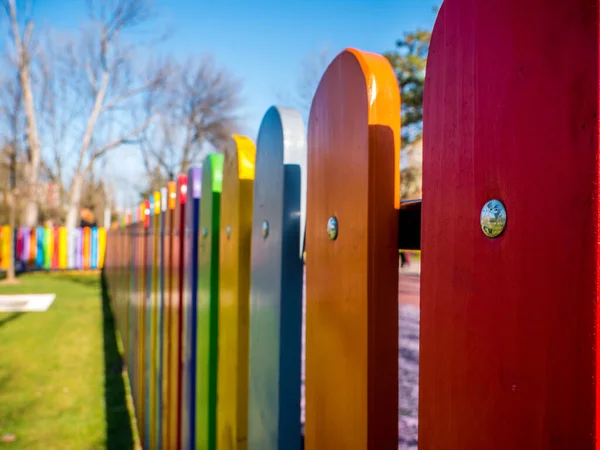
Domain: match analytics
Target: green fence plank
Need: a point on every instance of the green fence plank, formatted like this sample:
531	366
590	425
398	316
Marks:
208	303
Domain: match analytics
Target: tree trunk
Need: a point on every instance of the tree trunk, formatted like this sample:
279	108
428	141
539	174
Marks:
12	215
33	143
106	218
30	213
24	56
74	200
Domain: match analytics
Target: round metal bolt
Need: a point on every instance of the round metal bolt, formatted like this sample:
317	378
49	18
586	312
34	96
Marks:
204	232
493	218
332	228
228	231
265	228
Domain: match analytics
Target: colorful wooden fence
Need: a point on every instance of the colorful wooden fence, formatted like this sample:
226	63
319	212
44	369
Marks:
508	349
207	288
201	314
57	248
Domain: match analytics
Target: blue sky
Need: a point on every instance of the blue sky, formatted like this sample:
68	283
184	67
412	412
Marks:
263	43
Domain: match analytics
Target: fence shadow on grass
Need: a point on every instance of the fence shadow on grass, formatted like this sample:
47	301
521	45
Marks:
10	318
118	424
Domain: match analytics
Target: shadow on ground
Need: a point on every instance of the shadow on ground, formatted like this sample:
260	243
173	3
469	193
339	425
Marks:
88	278
10	318
118	424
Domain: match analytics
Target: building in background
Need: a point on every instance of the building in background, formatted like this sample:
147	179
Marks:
411	174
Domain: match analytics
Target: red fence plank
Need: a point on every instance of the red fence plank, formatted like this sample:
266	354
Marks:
508	334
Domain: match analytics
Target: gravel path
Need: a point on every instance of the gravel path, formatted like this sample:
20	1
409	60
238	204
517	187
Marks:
409	377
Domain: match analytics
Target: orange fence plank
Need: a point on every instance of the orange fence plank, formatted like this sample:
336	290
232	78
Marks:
86	247
5	247
352	280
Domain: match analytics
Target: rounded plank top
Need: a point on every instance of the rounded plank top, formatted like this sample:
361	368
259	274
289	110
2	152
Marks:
189	304
283	137
194	182
182	188
245	154
276	288
234	291
208	301
172	193
214	172
156	203
163	199
383	97
352	281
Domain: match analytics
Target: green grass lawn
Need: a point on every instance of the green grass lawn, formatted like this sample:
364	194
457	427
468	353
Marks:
61	379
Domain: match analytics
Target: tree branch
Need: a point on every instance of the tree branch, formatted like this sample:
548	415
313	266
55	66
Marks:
111	104
116	143
28	33
92	120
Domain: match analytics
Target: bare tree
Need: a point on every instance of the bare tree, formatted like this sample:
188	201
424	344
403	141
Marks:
312	70
312	67
85	95
81	97
23	52
104	61
8	160
11	99
196	112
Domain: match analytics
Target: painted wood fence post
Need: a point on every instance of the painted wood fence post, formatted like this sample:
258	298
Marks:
55	247
63	248
26	250
509	325
125	267
208	303
102	245
234	293
160	317
87	247
151	331
136	305
143	302
276	283
32	247
180	245
189	332
94	248
133	300
79	248
72	248
48	247
19	246
40	252
352	256
5	254
170	349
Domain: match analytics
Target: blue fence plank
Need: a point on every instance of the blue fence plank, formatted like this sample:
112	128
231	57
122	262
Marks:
276	289
188	374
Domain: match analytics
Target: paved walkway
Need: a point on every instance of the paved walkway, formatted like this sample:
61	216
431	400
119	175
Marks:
408	298
409	284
